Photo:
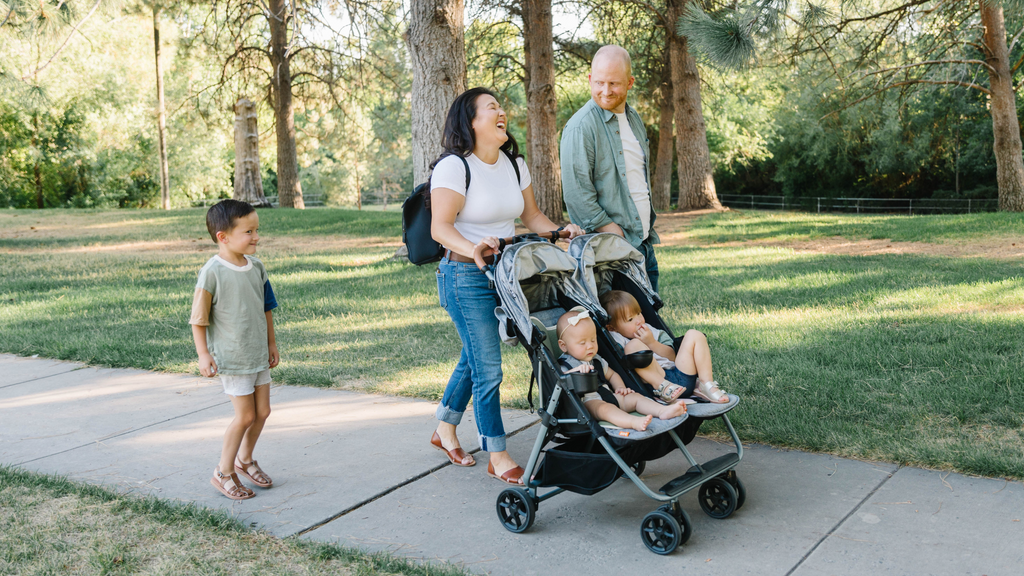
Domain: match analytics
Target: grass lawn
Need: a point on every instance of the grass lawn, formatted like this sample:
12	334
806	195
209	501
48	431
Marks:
912	358
49	525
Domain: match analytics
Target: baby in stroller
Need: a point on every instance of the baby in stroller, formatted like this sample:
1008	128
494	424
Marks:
577	338
676	372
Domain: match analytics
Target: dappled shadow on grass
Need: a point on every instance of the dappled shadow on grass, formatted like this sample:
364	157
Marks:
723	280
931	390
756	225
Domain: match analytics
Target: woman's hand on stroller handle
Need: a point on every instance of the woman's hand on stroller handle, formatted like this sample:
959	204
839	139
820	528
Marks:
492	245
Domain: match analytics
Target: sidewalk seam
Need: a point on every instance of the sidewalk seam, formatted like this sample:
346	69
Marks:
843	520
387	491
40	378
126	432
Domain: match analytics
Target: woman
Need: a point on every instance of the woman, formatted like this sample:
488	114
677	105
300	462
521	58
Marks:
475	130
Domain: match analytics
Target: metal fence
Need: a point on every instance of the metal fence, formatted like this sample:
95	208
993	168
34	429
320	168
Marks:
909	206
310	200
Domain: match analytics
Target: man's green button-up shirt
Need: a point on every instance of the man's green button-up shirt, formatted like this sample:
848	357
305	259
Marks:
594	182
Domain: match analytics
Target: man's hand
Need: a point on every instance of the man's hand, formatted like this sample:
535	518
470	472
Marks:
275	358
207	367
612	228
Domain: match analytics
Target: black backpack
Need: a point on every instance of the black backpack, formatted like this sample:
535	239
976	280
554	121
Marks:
422	247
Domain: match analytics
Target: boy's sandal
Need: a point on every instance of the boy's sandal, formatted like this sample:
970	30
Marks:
458	456
235	490
512	476
711	392
669	391
253	472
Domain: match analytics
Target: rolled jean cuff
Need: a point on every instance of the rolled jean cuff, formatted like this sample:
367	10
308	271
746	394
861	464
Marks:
446	414
489	444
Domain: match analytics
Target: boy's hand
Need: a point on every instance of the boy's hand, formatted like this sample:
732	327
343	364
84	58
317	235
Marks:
624	391
207	367
644	335
275	358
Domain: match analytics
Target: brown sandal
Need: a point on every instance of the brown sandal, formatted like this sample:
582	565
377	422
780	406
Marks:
253	472
513	476
236	491
457	456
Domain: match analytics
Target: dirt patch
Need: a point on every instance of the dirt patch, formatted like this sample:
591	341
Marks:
301	244
1000	248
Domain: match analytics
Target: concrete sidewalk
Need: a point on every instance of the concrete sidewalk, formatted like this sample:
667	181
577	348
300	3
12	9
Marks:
356	469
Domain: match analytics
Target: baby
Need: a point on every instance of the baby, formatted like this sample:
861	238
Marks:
577	337
674	373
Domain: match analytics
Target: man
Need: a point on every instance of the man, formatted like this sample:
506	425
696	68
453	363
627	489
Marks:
605	155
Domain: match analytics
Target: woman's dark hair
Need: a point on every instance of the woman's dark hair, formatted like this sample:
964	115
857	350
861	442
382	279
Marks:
458	138
221	217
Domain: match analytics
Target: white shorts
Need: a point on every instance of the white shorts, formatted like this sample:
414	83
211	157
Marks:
244	384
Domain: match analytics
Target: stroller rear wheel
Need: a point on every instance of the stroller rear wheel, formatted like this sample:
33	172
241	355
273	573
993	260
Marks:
516	510
717	498
741	491
661	532
639	467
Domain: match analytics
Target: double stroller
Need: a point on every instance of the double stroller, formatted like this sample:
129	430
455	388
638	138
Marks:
536	283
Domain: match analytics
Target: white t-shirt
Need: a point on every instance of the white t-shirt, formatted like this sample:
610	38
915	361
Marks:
636	172
494	199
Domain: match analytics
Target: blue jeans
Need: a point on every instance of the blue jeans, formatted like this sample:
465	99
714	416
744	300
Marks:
647	250
465	294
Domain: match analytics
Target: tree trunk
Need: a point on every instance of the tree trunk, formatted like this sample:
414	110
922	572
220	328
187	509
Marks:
289	189
248	182
161	124
661	190
1005	126
696	181
438	51
36	169
542	109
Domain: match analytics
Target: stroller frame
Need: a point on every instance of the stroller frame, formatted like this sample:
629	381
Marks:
562	412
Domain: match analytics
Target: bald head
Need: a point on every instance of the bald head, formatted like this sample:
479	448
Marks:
612	55
611	78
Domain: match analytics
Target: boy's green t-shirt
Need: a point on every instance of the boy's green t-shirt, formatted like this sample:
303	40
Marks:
237	331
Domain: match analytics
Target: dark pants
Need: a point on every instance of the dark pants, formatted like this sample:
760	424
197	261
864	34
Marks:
647	250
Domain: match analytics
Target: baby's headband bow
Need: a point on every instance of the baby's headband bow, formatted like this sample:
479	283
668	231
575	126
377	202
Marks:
583	315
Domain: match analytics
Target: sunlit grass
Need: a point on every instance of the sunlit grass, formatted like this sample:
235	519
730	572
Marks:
906	358
49	525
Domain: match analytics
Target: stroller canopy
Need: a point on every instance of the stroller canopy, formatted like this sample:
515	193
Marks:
528	277
598	256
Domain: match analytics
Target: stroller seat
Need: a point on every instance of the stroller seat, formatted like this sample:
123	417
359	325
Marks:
548	326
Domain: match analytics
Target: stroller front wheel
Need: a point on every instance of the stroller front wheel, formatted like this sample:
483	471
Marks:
516	510
660	532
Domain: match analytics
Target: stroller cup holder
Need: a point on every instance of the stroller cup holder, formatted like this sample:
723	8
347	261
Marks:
583	383
640	359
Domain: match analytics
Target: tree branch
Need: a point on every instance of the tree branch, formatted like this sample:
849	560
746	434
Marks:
906	83
929	63
66	40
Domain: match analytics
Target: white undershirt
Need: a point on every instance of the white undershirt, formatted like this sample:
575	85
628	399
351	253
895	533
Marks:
636	173
494	199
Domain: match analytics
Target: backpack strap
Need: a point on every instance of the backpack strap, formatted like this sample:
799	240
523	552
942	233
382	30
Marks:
466	164
515	166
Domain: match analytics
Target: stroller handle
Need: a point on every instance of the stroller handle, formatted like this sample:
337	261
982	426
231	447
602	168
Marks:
482	250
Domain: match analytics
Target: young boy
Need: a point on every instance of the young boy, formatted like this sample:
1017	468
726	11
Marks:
577	337
675	373
233	328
